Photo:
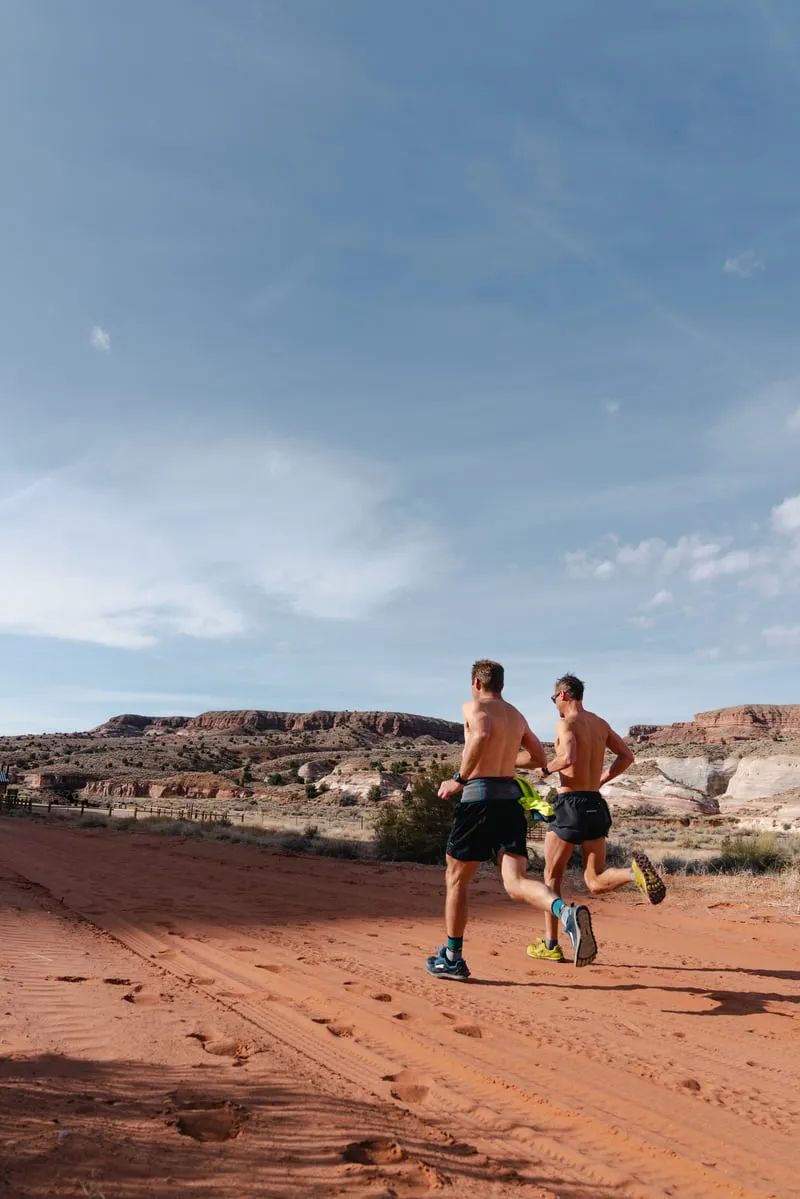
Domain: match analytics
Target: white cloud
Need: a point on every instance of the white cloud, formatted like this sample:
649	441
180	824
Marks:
690	555
744	265
786	516
101	340
155	542
794	420
735	563
786	635
660	600
612	407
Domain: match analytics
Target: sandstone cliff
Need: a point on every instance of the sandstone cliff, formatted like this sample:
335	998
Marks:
747	722
381	724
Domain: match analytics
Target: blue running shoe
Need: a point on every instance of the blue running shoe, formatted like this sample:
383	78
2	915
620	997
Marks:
440	965
577	924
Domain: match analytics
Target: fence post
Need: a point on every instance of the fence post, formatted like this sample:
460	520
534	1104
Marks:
135	811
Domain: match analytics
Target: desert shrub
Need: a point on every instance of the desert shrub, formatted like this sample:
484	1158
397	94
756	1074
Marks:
336	848
311	831
400	767
276	780
311	791
416	829
322	788
294	843
645	809
375	795
347	801
759	854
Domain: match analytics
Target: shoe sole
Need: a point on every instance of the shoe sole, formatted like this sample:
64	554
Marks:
647	878
453	978
586	945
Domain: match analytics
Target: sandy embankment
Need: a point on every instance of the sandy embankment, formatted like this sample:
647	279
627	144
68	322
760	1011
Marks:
156	992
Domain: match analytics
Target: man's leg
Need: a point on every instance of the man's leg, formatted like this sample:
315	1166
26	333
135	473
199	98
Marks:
574	918
459	876
557	854
597	877
449	961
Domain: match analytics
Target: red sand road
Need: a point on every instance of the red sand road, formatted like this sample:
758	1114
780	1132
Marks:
194	1019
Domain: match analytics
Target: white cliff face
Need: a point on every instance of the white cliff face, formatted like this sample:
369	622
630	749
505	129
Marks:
762	792
763	778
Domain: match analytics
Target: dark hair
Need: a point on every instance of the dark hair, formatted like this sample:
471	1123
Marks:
571	684
489	674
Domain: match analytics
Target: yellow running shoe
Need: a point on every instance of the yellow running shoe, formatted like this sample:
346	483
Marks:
540	951
647	878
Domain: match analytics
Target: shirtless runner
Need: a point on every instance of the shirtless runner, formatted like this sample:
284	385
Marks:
582	816
489	822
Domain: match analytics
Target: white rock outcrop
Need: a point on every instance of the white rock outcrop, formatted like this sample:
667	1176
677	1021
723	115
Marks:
762	778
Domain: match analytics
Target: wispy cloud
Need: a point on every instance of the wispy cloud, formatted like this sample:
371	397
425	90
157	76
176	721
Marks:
611	407
745	265
100	340
794	420
205	553
661	599
782	635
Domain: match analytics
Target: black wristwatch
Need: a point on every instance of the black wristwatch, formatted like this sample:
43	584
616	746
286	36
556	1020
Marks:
545	772
458	779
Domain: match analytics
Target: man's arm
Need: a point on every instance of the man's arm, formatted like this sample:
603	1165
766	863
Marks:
623	760
532	752
477	730
566	749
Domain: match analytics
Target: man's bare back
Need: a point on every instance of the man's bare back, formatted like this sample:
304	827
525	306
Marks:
499	729
582	738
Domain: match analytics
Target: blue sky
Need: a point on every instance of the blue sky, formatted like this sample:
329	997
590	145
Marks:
345	343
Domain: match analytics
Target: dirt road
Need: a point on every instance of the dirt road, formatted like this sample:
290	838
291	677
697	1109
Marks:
193	1019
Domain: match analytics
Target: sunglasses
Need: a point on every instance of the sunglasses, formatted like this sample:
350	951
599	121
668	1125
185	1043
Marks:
555	697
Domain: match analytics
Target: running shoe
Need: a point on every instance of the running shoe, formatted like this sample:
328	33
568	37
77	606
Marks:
647	878
540	951
440	965
577	924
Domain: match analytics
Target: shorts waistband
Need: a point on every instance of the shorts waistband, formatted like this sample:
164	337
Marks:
579	795
478	789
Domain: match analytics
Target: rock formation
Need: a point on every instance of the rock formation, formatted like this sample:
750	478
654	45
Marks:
380	724
747	722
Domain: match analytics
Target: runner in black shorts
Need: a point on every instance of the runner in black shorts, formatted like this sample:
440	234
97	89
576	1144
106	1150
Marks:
582	816
489	822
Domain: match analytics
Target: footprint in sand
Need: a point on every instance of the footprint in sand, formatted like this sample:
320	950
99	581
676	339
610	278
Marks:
220	1046
469	1030
378	1151
117	982
244	949
71	978
220	1122
321	1019
269	966
401	1016
381	997
340	1030
408	1086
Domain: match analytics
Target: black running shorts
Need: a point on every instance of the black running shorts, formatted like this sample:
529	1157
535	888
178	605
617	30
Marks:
581	816
485	827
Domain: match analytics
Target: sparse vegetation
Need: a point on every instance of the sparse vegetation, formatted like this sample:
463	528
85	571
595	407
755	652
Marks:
417	828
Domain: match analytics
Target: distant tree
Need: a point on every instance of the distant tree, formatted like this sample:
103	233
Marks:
417	828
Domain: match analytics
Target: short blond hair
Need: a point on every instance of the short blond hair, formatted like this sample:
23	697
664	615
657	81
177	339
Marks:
489	674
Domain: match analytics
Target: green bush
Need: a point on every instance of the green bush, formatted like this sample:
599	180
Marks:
759	854
375	795
416	829
275	780
311	791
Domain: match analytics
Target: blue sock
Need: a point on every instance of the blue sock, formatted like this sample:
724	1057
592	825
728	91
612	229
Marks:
550	944
556	906
454	947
